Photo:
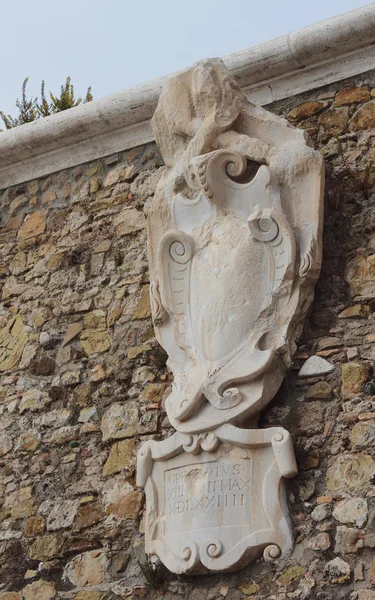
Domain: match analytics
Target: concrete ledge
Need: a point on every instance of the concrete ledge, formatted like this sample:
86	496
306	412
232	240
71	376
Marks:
306	59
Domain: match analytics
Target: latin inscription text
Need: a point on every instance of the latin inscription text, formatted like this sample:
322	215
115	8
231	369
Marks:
208	491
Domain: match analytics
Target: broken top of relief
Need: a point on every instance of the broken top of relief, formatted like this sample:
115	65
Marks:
234	241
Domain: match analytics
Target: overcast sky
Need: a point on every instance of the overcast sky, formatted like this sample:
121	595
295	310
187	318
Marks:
115	44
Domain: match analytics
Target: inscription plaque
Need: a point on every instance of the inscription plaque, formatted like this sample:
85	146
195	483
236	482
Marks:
201	497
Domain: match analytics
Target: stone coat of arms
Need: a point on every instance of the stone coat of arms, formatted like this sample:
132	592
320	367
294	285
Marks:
234	242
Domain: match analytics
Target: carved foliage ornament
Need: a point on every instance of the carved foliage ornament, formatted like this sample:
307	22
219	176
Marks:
234	242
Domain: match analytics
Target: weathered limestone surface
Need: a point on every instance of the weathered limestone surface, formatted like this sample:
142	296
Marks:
53	283
216	496
234	239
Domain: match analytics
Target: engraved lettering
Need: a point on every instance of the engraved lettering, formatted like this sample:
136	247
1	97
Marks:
204	489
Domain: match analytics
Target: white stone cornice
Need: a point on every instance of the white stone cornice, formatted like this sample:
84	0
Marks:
305	59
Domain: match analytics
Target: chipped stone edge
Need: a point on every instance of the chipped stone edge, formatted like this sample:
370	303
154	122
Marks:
309	58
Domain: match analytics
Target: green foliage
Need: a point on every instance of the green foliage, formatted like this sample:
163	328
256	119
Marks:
30	109
154	574
67	99
44	108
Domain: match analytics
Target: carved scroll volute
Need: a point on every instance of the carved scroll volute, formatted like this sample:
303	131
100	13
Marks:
233	257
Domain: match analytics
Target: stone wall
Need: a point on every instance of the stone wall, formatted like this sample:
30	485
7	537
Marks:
83	381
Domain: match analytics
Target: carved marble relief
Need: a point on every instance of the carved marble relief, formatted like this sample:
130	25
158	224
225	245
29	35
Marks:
215	500
234	241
